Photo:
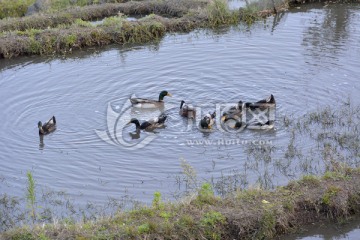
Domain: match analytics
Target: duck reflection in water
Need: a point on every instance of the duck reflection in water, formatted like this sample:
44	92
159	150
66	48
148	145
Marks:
135	135
41	144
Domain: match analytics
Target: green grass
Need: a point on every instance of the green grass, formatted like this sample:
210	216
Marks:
329	194
311	180
14	8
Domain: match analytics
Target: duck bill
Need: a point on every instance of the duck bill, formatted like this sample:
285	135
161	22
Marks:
223	118
169	95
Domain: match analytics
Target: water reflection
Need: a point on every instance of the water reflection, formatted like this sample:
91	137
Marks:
41	144
135	134
328	33
277	19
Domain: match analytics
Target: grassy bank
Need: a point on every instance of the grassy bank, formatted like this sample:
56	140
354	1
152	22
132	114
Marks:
11	8
69	30
250	214
18	8
63	31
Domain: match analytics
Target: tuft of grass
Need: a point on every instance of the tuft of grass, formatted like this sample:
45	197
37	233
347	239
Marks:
212	222
144	228
330	192
267	225
81	23
115	22
218	13
157	203
311	180
334	176
249	15
31	195
206	194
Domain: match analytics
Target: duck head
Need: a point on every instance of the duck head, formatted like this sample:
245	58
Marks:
224	117
163	94
204	124
182	103
134	121
270	99
41	131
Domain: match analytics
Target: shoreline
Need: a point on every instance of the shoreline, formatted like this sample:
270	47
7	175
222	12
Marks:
244	214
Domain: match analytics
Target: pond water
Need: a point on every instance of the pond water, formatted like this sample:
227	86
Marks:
308	58
349	231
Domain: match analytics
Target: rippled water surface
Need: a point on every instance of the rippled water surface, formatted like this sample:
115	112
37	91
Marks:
308	58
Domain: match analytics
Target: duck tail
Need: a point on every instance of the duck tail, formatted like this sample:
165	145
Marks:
54	119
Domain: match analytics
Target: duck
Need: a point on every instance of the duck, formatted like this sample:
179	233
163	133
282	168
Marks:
149	103
187	110
150	125
208	121
47	127
264	103
231	112
232	120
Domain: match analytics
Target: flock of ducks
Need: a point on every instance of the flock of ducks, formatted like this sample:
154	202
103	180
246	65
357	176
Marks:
233	113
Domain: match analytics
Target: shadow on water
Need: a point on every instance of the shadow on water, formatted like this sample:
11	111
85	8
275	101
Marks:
329	33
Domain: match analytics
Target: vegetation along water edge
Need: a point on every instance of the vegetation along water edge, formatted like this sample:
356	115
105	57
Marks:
62	27
244	214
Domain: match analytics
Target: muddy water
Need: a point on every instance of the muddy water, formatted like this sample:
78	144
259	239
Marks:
308	58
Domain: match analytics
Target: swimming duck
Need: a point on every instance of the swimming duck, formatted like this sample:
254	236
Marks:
232	120
187	110
48	127
234	111
148	103
150	125
208	121
264	103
